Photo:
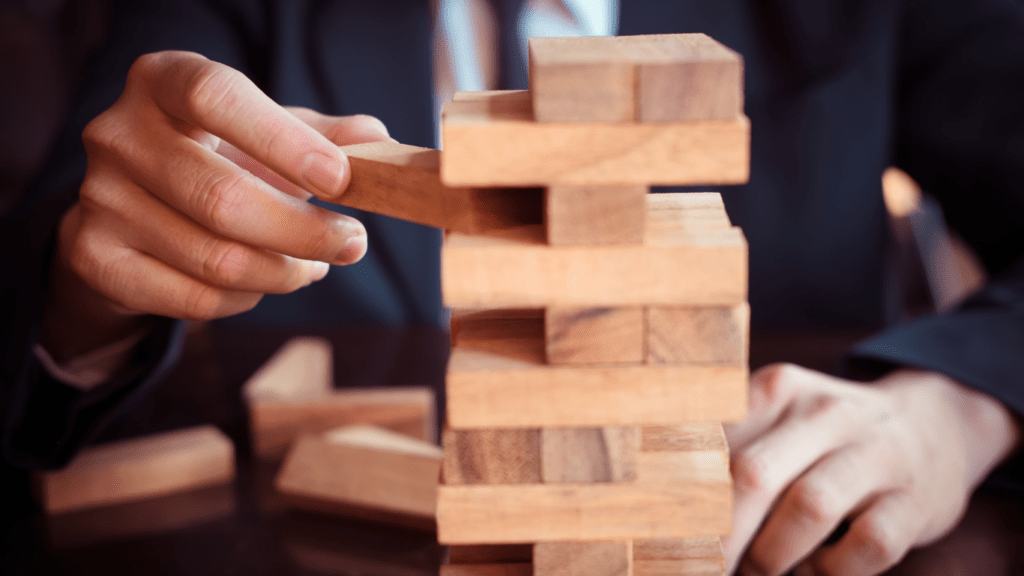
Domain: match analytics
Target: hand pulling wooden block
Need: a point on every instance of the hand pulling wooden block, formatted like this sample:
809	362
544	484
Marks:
581	80
698	335
491	554
492	456
521	569
139	468
491	139
365	472
594	335
581	455
583	558
699	556
584	215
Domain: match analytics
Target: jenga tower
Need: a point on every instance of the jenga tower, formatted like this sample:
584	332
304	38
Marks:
596	356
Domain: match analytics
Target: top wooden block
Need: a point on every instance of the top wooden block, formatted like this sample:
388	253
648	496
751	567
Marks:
653	78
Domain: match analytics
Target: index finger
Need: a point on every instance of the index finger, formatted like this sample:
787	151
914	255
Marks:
227	104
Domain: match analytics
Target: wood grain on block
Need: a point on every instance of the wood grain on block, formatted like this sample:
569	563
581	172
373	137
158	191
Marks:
517	269
698	556
688	437
277	422
500	379
491	139
595	214
581	80
686	209
581	455
517	569
302	368
594	335
583	558
139	468
364	471
492	456
490	554
696	451
404	182
698	334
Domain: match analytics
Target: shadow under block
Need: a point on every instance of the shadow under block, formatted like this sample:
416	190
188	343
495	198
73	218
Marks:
490	554
594	335
514	569
492	456
498	377
699	556
595	214
139	468
651	78
365	472
698	335
583	558
491	139
404	182
582	455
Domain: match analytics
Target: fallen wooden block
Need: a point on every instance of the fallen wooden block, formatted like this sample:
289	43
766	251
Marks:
139	468
699	556
364	472
498	377
583	558
698	334
520	569
582	215
491	139
302	368
594	335
582	455
492	456
490	554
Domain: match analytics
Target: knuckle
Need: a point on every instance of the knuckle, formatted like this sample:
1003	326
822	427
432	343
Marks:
751	472
226	263
203	303
814	504
211	90
879	541
774	380
318	242
223	198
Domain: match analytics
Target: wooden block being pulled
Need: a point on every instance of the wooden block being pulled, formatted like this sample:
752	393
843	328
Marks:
587	455
594	335
490	554
498	377
491	139
364	472
698	334
492	456
139	468
595	214
698	556
517	569
583	558
581	80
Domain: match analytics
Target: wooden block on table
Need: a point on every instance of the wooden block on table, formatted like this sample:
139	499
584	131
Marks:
302	368
498	377
594	335
581	80
139	468
518	569
364	472
698	334
583	558
492	456
699	556
582	455
491	139
581	215
490	554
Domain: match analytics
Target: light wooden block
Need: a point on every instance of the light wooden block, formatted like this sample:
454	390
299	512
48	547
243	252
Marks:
302	368
698	334
491	139
699	556
492	456
491	554
518	569
498	377
696	451
365	472
690	210
594	335
582	455
583	558
139	468
581	80
583	215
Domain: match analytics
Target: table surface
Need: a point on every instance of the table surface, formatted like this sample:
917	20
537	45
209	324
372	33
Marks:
246	528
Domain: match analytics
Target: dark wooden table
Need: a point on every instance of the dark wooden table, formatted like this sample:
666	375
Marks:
244	528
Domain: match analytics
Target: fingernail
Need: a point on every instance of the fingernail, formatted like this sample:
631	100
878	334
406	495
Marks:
323	172
320	270
353	251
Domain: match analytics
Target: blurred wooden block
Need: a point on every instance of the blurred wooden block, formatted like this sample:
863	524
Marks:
581	80
498	377
492	456
689	210
584	455
364	472
698	335
404	182
699	556
139	468
594	335
302	368
519	569
582	215
490	554
491	139
688	437
695	451
583	558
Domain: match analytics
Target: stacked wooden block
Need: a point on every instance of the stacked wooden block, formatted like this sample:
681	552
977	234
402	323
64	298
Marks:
596	355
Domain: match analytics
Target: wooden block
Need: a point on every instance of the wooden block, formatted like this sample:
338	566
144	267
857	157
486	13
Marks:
582	455
696	451
491	139
698	334
699	556
492	456
689	437
491	554
365	472
139	468
690	210
581	80
497	377
583	558
520	569
581	215
404	182
302	368
594	335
